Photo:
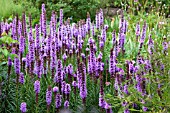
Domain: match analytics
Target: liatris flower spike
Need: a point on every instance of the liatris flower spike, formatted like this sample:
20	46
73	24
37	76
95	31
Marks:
23	107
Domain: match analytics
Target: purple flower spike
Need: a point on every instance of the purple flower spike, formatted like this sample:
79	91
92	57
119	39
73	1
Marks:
17	65
37	86
101	44
143	36
114	37
21	44
58	100
61	17
97	20
107	106
21	78
67	89
9	61
150	45
101	101
49	95
101	18
88	22
23	107
66	104
64	57
43	20
70	69
138	29
112	64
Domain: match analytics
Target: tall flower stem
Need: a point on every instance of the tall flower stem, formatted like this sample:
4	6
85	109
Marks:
36	102
48	108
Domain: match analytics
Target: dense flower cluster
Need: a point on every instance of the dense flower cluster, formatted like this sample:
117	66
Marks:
66	56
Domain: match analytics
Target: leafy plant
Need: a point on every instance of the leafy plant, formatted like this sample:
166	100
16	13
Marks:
8	8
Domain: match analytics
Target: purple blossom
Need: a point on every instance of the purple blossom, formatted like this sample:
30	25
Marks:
49	95
101	18
37	86
58	100
83	91
66	104
23	107
70	69
24	59
93	30
88	22
144	108
67	89
107	106
64	57
43	19
124	104
87	49
74	83
125	89
116	86
103	35
143	36
165	46
17	65
82	81
126	111
114	37
97	20
37	44
101	101
55	89
63	85
9	61
39	68
106	27
83	55
53	55
59	73
101	44
21	78
162	67
112	64
150	45
61	17
147	65
121	40
21	44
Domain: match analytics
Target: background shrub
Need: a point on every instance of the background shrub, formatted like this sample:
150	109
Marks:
8	7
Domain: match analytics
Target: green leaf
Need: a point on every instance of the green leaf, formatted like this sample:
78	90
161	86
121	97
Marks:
7	39
3	63
12	56
5	52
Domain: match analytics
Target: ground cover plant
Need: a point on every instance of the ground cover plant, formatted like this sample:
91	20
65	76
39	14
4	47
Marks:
122	65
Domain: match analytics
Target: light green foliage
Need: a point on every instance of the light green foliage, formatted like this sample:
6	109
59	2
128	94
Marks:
8	8
4	51
158	31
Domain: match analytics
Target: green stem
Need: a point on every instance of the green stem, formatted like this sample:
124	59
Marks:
48	108
17	95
